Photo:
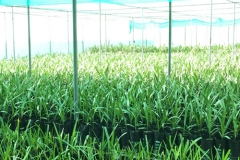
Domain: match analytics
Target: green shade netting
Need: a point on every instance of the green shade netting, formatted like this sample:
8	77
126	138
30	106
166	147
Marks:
182	23
55	2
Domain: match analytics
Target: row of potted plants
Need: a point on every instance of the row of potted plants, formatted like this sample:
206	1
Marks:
139	103
128	136
161	49
125	89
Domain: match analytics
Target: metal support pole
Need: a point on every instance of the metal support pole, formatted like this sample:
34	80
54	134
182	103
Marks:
169	40
142	34
83	49
133	43
146	33
228	35
14	54
29	42
75	60
185	37
68	32
5	30
196	35
206	34
105	33
108	36
234	13
160	38
100	32
210	38
191	31
50	38
154	31
219	31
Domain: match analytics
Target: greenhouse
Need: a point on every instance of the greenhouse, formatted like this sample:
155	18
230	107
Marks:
120	79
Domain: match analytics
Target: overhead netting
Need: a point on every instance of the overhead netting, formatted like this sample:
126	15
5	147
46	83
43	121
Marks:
54	2
181	23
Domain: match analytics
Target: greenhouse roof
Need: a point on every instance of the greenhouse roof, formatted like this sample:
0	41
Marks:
154	9
55	2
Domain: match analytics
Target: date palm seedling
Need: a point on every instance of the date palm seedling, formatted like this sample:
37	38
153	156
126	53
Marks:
235	121
224	116
148	114
161	116
210	113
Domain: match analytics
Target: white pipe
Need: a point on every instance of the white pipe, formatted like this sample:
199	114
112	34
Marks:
108	35
5	30
105	33
146	33
206	34
233	54
219	31
14	54
133	43
191	31
210	38
68	32
100	32
142	34
228	35
83	49
154	31
160	38
196	35
185	32
50	38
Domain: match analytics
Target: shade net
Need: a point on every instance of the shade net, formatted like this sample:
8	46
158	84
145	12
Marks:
183	23
55	2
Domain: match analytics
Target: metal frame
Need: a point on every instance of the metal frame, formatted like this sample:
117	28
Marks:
29	42
142	36
75	60
210	37
233	43
5	30
13	34
169	39
50	37
100	32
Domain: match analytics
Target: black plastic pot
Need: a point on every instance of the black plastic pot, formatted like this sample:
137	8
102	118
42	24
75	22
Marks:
171	138
21	124
95	131
48	126
35	124
148	138
135	139
117	132
182	137
158	141
105	129
66	127
207	146
220	145
234	146
82	130
195	135
124	140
